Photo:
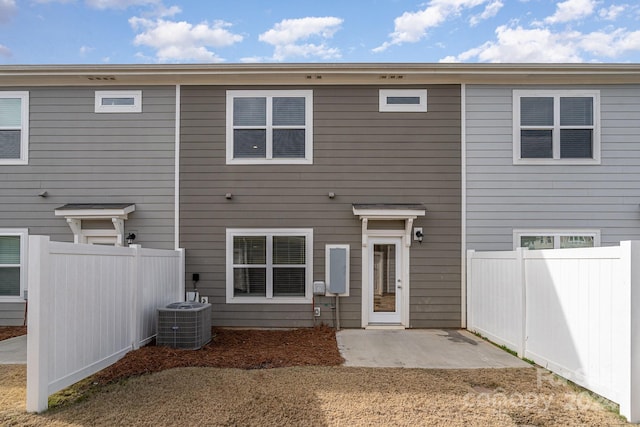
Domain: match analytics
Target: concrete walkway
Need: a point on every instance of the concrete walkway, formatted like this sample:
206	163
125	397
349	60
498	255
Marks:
13	351
422	348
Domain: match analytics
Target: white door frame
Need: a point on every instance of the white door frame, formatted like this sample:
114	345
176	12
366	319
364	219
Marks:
404	246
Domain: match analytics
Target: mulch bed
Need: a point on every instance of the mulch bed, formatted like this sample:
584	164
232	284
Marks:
234	348
7	332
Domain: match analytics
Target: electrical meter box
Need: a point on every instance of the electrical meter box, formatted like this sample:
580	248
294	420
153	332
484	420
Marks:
319	288
337	269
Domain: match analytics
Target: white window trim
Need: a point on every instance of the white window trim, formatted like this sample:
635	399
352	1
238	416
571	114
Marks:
307	94
556	233
135	108
556	94
24	241
306	232
24	128
407	108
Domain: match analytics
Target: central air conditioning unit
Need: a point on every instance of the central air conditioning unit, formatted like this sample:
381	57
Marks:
185	325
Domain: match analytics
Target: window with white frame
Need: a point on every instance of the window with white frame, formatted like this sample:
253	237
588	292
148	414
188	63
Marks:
556	127
118	101
403	100
269	126
556	239
12	264
269	266
14	128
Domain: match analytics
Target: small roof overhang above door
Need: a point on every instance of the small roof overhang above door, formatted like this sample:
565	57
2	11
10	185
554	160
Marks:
95	210
388	211
75	213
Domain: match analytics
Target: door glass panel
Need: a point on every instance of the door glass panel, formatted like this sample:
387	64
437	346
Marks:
384	278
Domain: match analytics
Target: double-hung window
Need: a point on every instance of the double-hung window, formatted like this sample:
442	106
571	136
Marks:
556	127
269	266
14	128
556	239
12	264
269	127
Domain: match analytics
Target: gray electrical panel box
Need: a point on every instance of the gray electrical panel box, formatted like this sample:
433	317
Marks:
337	269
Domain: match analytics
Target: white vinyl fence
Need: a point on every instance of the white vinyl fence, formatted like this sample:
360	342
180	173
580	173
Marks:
573	311
88	306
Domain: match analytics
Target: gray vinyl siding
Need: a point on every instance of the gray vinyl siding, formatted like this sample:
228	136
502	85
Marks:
361	155
78	156
502	197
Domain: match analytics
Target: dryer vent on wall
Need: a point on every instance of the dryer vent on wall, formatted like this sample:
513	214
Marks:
185	325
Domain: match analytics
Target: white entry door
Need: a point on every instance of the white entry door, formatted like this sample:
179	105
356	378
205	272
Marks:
385	280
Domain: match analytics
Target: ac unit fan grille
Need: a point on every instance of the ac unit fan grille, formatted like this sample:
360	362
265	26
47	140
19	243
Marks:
184	325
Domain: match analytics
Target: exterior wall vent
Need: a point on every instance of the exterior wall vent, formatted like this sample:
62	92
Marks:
101	78
185	325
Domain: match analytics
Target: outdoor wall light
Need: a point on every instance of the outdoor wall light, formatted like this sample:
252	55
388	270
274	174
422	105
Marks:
332	195
228	196
130	238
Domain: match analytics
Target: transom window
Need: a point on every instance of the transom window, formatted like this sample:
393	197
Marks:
556	127
12	269
118	101
14	128
269	265
403	100
560	239
269	126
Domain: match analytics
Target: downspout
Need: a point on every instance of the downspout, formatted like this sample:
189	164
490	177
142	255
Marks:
463	205
176	191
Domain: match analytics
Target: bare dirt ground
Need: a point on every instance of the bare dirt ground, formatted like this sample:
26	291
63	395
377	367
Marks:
164	387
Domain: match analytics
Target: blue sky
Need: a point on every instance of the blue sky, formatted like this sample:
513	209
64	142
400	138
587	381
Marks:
236	31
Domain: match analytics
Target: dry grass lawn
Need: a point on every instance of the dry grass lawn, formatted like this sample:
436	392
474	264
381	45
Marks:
163	387
319	396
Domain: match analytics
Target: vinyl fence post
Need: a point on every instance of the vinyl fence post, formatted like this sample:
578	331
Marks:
630	351
181	274
135	289
38	337
522	290
470	321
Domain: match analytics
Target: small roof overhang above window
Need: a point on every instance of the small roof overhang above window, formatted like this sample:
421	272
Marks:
76	213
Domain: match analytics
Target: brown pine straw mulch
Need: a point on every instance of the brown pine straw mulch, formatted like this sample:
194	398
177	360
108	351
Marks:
234	348
7	332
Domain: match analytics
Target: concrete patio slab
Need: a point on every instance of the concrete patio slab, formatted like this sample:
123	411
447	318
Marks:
13	351
422	348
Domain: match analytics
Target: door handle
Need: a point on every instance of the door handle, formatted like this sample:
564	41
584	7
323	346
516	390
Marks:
399	285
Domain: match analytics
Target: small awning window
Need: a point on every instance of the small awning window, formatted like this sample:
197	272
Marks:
76	213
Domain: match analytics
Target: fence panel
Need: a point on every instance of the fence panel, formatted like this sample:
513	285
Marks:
90	305
579	311
569	314
495	297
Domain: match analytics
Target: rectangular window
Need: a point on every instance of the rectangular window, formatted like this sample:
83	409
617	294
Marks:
118	101
556	239
556	127
269	127
14	128
269	266
403	100
12	264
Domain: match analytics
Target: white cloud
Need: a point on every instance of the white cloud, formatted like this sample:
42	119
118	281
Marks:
612	12
411	27
5	51
86	49
524	45
120	4
571	10
542	45
7	9
287	35
490	11
182	41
